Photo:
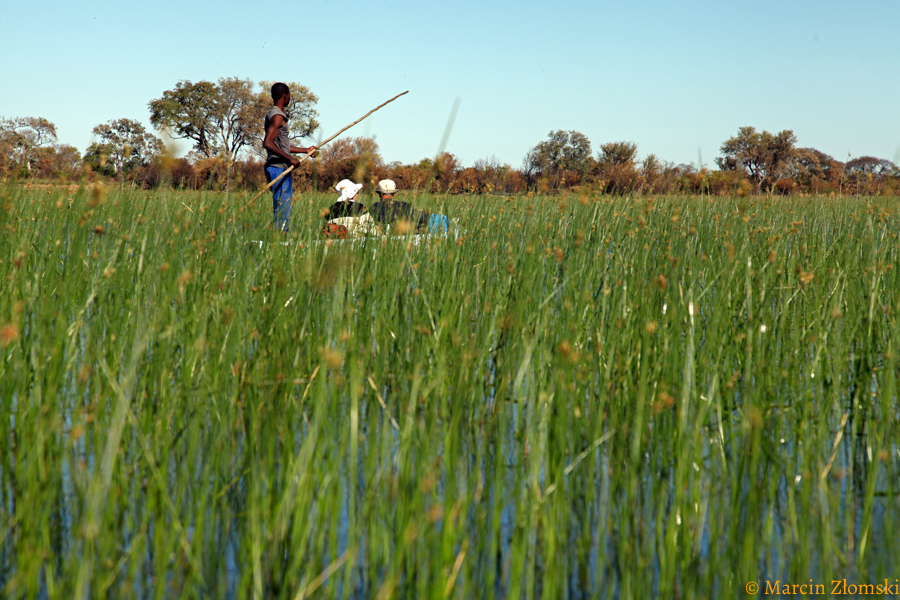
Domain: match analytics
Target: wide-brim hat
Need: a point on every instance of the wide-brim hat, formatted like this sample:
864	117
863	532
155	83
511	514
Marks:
386	186
348	190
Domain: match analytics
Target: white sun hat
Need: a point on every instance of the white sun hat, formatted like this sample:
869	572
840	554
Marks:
348	190
387	186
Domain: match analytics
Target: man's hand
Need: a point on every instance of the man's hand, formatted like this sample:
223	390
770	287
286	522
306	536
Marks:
311	151
295	161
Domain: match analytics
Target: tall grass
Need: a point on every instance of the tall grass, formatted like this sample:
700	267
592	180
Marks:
579	397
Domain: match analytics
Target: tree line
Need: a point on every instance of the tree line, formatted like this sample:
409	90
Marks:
223	122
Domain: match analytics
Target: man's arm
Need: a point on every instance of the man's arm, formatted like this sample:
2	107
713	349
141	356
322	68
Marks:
298	150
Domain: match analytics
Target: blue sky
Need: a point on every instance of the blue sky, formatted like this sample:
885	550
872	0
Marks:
677	78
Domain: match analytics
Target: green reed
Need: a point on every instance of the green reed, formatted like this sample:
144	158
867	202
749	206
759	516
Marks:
575	397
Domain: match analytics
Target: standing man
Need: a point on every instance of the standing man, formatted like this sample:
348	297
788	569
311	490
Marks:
278	155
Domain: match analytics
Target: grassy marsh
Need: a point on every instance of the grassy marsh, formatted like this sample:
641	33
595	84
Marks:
580	397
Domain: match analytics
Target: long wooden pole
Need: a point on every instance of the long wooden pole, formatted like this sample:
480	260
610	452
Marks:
291	168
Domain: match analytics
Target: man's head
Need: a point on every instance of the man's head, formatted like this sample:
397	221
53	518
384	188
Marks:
386	189
279	91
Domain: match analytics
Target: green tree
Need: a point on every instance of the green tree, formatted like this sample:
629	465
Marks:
66	159
226	118
7	146
869	165
562	151
237	122
810	167
125	144
868	173
763	156
190	111
652	169
616	167
617	153
59	160
21	137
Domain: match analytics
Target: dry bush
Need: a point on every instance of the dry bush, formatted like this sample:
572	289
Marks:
178	172
618	178
784	186
725	183
332	171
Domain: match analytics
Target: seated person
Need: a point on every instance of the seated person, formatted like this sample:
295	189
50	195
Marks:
387	210
347	205
347	217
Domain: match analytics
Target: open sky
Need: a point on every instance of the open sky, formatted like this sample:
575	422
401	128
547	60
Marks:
677	78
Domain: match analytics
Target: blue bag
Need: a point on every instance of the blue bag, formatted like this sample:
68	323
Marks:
438	223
